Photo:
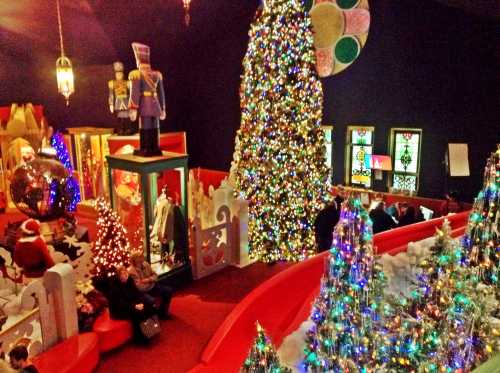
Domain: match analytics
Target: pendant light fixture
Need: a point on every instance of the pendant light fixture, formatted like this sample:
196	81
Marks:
187	6
64	70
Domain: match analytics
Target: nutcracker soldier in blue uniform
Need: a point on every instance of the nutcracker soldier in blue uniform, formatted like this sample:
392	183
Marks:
118	100
147	99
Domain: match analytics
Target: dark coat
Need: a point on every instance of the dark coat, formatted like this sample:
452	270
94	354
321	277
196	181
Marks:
382	221
123	297
323	226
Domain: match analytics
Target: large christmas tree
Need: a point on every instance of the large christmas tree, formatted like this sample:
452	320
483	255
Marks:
111	249
349	313
280	162
263	357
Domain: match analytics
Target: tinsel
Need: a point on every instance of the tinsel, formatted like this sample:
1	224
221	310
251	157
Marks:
349	312
444	325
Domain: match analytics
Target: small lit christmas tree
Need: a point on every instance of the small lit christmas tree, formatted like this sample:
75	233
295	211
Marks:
111	249
57	142
263	357
280	158
444	324
482	238
348	333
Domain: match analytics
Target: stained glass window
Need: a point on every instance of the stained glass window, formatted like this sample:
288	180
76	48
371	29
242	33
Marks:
359	154
406	155
328	131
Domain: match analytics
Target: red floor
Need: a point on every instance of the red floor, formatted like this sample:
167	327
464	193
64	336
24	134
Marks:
197	311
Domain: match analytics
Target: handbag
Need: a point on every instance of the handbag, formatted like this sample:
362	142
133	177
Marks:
150	327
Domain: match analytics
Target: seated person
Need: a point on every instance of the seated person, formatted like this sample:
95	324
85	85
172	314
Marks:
452	204
324	224
397	209
146	280
407	216
126	302
31	252
381	220
19	360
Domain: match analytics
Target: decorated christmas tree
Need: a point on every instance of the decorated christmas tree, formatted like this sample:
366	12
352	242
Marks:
263	357
57	142
444	324
280	160
482	238
348	334
111	249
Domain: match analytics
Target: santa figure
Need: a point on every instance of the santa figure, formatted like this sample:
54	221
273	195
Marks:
31	252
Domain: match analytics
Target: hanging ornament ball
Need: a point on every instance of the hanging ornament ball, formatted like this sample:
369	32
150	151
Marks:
340	32
40	189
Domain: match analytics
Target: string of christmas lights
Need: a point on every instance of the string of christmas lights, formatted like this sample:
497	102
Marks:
72	186
280	161
111	249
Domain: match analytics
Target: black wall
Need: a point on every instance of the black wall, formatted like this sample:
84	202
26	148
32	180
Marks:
425	65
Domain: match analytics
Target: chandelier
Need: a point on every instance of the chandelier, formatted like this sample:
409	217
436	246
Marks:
64	70
187	6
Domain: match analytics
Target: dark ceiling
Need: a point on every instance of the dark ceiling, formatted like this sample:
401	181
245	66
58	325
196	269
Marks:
100	31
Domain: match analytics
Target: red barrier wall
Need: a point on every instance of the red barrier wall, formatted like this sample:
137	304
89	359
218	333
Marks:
209	177
283	302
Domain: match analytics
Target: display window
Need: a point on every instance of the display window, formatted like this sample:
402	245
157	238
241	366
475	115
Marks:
149	195
359	150
405	153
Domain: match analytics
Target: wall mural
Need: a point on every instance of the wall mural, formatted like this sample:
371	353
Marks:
340	32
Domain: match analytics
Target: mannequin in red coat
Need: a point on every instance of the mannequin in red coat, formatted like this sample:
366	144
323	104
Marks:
31	252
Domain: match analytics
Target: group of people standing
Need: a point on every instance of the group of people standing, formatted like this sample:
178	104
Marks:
398	214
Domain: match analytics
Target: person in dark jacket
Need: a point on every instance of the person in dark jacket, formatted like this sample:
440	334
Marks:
407	216
324	224
381	220
126	302
452	204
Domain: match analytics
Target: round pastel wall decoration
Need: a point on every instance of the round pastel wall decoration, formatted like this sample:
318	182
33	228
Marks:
340	32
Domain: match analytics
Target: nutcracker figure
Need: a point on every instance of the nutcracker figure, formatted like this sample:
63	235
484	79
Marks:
147	98
118	100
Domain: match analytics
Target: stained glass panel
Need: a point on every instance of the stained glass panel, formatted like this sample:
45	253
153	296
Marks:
361	172
361	136
406	154
329	144
405	182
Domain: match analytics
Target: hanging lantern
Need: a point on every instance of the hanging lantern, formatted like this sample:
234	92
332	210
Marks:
187	5
64	70
65	79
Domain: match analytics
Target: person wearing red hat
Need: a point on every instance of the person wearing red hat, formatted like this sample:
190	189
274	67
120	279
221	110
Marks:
31	252
147	99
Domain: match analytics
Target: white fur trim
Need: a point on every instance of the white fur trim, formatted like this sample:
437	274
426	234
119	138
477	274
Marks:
28	239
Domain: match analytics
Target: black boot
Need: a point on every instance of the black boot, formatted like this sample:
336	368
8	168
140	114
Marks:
149	143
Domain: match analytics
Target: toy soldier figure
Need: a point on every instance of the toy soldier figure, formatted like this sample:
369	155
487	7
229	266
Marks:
118	100
147	98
